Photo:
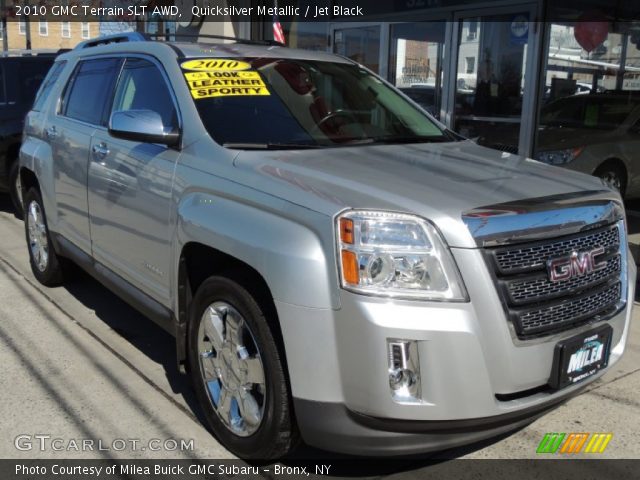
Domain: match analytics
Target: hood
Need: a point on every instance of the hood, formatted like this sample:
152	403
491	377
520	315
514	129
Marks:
438	181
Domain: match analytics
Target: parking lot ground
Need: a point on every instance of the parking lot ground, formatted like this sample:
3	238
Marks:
80	364
71	375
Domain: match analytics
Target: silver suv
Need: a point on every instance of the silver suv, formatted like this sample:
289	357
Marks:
335	265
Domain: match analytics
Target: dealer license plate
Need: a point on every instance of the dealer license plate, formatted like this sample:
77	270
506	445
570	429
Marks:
580	357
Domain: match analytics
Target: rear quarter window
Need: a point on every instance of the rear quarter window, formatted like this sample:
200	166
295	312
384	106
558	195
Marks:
47	85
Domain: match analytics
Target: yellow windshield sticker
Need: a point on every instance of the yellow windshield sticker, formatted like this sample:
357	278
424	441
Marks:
225	82
215	65
222	78
228	92
230	75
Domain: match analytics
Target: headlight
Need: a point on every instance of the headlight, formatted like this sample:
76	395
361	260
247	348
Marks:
559	157
396	255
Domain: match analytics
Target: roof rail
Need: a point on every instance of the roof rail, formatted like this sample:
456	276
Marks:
143	37
245	41
117	38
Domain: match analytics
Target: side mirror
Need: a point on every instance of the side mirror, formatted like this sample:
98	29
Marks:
141	126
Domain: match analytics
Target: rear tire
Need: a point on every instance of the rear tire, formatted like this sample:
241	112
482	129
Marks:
44	261
15	188
237	372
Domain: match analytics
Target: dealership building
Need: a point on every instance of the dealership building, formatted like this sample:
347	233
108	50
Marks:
493	71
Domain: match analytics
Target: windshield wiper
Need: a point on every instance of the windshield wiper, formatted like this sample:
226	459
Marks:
270	146
412	139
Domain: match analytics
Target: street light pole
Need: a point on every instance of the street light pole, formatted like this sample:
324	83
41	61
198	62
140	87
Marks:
27	27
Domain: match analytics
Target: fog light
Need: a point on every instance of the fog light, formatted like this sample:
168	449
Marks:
401	379
404	370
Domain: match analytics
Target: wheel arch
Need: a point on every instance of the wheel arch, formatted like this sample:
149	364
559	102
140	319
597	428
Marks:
29	180
619	164
13	152
198	262
272	253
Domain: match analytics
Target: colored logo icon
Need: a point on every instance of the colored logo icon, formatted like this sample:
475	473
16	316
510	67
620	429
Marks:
574	443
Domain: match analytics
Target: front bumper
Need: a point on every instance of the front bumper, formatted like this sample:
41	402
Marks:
477	379
333	427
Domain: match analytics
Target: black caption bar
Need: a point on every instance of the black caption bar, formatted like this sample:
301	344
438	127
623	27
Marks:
317	468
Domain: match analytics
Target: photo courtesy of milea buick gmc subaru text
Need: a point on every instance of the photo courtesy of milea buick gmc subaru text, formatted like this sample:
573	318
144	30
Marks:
336	266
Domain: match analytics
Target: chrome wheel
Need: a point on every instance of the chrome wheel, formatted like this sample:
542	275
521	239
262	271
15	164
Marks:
38	242
231	368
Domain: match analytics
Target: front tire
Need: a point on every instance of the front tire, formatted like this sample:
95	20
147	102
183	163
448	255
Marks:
238	373
44	261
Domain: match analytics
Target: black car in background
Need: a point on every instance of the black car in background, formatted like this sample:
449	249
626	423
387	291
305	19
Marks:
21	74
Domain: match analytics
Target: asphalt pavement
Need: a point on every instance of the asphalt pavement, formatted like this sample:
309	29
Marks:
79	365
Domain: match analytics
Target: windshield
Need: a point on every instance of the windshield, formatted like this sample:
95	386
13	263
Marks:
274	103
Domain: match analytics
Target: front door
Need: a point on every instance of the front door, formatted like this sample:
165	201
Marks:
130	186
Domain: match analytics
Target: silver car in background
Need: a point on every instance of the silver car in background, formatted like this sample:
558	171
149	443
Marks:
597	134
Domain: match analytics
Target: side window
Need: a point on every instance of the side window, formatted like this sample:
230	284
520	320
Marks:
143	87
47	85
90	90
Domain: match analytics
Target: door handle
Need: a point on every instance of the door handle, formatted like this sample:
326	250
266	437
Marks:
100	150
51	132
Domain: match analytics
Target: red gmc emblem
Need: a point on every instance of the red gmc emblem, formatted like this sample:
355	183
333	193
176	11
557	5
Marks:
577	264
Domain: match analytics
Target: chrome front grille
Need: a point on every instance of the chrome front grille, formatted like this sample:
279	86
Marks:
536	305
570	312
523	258
541	288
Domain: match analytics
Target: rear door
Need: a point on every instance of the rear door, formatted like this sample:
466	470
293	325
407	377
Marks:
130	185
83	112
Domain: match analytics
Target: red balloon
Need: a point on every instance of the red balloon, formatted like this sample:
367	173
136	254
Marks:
591	30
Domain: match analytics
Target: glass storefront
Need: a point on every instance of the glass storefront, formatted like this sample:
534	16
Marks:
557	83
360	44
490	79
589	116
416	62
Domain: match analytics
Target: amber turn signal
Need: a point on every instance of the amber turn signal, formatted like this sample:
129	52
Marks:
346	230
350	267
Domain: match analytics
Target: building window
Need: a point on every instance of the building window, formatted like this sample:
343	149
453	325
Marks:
472	33
86	32
65	28
1	31
470	64
43	28
22	27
